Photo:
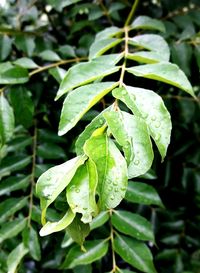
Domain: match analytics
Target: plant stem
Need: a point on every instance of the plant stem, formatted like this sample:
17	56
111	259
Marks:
132	12
32	174
121	80
43	68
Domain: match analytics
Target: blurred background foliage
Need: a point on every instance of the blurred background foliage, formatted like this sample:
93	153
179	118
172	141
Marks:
45	37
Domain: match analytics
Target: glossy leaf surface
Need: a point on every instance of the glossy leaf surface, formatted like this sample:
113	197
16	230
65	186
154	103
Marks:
149	106
79	101
54	181
164	72
95	250
111	169
135	253
146	22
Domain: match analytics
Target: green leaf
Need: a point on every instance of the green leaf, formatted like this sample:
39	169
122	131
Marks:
51	227
88	72
108	33
74	108
101	46
135	253
153	43
14	183
55	180
49	55
10	74
31	241
25	43
58	73
99	220
50	151
13	163
26	63
78	231
22	102
67	240
6	120
15	257
141	193
5	47
148	57
149	106
164	72
145	22
132	224
10	206
59	5
81	191
111	169
11	229
96	123
95	250
132	134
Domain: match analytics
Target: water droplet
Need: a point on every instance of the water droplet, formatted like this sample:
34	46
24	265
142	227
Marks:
101	121
115	183
133	97
144	115
116	189
49	178
109	181
136	162
157	124
77	190
112	197
153	118
84	208
157	137
123	188
110	188
124	92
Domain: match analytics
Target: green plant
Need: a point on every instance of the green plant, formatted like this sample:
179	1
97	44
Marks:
114	147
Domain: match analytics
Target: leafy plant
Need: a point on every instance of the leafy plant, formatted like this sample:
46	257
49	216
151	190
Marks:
83	195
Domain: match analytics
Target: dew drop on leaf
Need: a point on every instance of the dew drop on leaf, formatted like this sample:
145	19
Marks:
112	197
157	125
136	162
153	118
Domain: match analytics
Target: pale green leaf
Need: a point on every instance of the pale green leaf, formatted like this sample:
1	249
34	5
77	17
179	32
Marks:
132	224
81	191
150	107
88	72
132	134
10	206
153	43
141	193
49	55
101	46
108	33
164	72
135	253
148	57
67	240
95	250
6	120
15	257
11	229
111	169
146	22
55	180
51	227
96	123
99	220
78	230
79	101
26	63
58	73
10	74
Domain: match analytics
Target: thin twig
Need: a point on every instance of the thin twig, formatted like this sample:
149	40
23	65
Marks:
32	174
105	11
132	12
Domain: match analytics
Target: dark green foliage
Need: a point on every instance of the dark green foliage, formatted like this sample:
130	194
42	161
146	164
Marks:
90	91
